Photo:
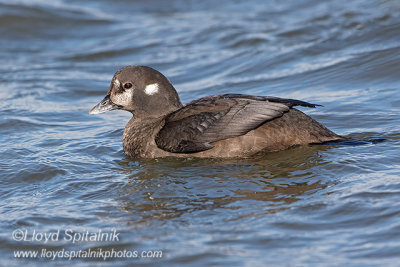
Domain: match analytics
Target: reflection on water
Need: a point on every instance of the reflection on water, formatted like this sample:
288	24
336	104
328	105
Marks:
168	188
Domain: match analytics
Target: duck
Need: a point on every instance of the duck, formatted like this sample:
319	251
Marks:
216	126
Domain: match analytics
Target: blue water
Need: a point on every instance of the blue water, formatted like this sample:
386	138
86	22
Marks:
63	171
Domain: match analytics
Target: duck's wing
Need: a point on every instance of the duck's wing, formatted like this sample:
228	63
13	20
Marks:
194	127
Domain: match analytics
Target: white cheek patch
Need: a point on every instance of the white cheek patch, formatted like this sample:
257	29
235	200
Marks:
122	99
151	89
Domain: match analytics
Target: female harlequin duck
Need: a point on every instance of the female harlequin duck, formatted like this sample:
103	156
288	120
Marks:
217	126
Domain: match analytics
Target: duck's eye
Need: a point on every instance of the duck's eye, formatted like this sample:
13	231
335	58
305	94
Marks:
127	85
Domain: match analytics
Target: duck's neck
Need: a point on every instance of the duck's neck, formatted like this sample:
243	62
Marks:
139	135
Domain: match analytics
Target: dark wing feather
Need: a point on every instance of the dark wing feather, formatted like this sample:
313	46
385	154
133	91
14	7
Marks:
288	101
196	125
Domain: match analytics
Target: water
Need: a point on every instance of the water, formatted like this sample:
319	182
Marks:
63	171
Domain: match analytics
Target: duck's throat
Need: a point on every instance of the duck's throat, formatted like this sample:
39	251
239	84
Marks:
139	135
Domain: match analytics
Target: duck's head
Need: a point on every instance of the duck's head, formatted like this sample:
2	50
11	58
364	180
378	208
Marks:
141	90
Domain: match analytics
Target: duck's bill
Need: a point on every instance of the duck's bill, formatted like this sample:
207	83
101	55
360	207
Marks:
105	105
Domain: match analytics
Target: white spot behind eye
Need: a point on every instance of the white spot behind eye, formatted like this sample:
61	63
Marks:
151	89
116	83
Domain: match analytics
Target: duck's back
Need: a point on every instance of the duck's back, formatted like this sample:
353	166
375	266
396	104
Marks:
291	129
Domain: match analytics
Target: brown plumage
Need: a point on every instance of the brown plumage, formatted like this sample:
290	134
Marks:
231	125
